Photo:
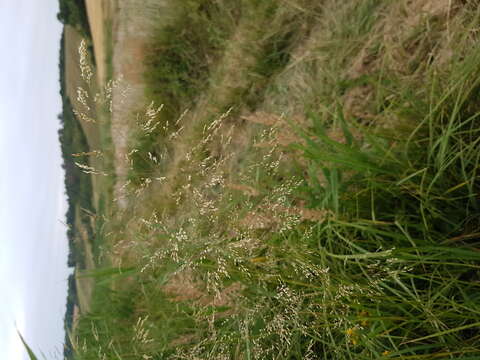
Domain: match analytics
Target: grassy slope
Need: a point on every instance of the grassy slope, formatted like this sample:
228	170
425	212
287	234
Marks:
318	200
95	124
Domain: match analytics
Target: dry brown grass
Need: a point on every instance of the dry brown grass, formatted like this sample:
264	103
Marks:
394	27
174	195
133	24
298	76
184	287
228	77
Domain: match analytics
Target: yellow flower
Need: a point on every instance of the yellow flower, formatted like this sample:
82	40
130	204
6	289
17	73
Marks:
364	313
352	335
351	332
385	353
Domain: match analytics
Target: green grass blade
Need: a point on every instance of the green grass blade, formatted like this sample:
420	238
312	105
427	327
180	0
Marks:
30	353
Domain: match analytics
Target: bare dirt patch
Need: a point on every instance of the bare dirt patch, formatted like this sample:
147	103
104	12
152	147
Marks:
133	24
96	18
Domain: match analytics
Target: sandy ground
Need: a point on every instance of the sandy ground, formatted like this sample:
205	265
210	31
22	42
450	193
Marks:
96	18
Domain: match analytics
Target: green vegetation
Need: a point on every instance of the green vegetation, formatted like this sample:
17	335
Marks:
79	192
72	301
319	200
31	354
74	13
78	188
179	62
179	66
78	185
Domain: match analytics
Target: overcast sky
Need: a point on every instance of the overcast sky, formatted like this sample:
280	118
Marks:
33	244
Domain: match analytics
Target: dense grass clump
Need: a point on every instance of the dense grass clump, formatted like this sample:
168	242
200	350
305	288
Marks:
179	62
183	52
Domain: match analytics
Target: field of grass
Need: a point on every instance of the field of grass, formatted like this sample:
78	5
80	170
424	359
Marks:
88	103
309	190
85	131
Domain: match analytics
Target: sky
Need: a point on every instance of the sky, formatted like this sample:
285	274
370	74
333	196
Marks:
33	243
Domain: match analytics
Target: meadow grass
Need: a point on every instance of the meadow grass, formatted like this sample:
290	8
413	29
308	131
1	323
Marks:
319	199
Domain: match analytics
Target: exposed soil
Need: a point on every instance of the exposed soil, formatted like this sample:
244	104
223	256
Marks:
131	31
96	18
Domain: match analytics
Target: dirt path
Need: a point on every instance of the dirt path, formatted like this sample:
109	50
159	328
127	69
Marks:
133	25
96	18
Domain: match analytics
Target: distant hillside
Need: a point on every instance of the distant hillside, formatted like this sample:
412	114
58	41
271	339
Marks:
73	12
78	185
